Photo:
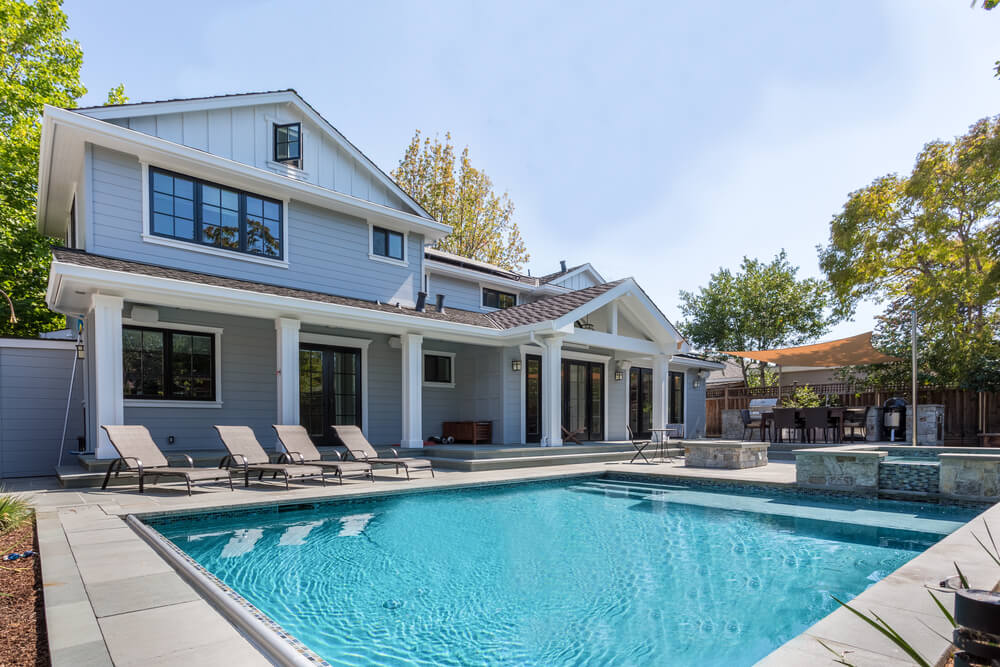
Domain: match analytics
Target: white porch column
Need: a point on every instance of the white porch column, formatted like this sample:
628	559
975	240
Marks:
413	383
661	391
106	348
552	392
287	340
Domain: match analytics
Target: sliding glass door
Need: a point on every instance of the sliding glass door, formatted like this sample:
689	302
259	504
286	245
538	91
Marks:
532	398
640	401
583	399
329	389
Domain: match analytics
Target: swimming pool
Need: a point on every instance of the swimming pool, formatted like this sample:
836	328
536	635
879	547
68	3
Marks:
584	571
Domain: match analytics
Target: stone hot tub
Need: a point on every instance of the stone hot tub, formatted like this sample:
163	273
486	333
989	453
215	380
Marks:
724	454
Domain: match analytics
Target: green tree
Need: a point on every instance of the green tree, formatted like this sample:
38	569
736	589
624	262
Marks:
39	66
761	307
930	241
462	196
117	95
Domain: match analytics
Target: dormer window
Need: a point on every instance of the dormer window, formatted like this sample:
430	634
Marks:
496	299
288	144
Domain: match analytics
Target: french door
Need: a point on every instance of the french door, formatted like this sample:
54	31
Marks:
583	398
532	398
329	389
640	401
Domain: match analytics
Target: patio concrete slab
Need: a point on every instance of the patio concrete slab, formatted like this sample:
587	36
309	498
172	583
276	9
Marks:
122	596
91	654
76	623
139	637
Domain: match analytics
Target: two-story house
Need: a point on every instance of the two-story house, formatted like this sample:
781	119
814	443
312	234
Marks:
236	260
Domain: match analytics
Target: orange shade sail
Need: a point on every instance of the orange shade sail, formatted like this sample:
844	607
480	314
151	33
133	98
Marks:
851	351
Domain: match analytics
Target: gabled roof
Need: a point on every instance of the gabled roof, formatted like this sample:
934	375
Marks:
288	95
476	265
572	271
550	307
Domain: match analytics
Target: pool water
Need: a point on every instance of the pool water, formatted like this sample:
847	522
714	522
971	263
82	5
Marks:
590	571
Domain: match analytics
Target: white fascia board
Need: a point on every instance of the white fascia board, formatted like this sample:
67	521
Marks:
471	275
38	343
168	154
613	342
699	363
228	102
197	296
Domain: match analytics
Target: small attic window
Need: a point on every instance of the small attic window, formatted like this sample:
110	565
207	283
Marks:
288	144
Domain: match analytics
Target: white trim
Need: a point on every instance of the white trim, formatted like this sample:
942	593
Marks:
38	344
107	361
354	343
383	258
412	363
568	353
149	237
438	385
180	403
287	373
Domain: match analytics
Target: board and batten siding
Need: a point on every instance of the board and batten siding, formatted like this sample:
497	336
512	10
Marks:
246	134
326	251
34	387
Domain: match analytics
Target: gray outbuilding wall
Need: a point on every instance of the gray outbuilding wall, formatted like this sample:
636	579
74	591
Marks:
34	386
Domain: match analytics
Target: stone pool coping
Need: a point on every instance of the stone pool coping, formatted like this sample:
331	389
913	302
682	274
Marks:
109	596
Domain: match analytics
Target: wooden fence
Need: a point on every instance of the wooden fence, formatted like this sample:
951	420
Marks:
966	413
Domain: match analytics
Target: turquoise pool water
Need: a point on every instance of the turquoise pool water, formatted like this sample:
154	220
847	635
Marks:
585	572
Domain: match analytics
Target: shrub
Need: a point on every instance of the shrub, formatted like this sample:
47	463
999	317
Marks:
14	511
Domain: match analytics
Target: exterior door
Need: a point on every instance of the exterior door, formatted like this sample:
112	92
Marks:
583	398
532	398
676	398
329	389
640	401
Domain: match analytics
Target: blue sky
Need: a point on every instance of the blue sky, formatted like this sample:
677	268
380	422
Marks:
658	140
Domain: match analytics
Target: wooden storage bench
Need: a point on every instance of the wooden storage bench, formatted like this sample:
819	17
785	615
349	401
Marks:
477	433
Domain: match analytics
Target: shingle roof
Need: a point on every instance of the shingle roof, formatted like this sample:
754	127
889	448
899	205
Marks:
549	308
545	309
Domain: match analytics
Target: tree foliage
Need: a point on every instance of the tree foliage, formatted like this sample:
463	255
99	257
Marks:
39	66
930	241
462	196
763	306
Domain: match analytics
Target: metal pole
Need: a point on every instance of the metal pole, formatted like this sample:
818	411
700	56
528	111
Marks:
69	399
913	372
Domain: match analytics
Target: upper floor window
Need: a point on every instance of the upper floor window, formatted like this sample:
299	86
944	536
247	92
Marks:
387	243
209	214
288	144
161	364
496	299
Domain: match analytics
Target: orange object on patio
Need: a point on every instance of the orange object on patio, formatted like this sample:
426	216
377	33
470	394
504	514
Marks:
851	351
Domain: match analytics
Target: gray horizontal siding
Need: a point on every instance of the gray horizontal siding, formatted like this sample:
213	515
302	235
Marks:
34	386
477	394
249	388
457	293
326	251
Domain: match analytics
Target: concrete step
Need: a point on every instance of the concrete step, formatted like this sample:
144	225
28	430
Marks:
461	451
508	463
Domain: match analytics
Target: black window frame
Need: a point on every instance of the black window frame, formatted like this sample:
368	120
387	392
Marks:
498	298
388	233
242	195
168	343
677	382
294	161
451	368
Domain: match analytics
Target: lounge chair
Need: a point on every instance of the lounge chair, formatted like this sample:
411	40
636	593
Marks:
138	453
361	450
299	448
246	454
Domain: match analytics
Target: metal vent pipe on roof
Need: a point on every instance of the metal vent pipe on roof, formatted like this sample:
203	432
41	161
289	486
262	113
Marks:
440	303
421	301
562	265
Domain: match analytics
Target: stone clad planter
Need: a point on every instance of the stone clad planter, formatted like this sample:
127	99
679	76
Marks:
838	469
732	455
967	476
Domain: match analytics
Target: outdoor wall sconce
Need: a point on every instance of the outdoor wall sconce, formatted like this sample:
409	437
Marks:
619	375
515	365
80	353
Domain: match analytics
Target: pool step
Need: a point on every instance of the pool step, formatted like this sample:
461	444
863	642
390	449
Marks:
547	459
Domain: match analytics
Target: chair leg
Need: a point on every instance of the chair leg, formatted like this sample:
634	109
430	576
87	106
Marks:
188	480
107	476
231	482
407	469
286	480
340	476
141	490
432	473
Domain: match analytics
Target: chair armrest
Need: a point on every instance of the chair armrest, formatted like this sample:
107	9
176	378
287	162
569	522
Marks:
290	457
395	454
337	455
190	461
232	459
355	452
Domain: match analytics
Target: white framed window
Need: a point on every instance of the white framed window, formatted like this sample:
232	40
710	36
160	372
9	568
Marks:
439	369
171	365
387	245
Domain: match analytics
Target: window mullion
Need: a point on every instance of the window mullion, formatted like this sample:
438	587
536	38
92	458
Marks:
243	221
168	370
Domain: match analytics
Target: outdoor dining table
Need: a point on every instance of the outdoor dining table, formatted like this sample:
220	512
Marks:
833	414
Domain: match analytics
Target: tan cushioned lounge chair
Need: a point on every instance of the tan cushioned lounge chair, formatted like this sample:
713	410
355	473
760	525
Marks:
137	452
299	448
360	449
246	454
